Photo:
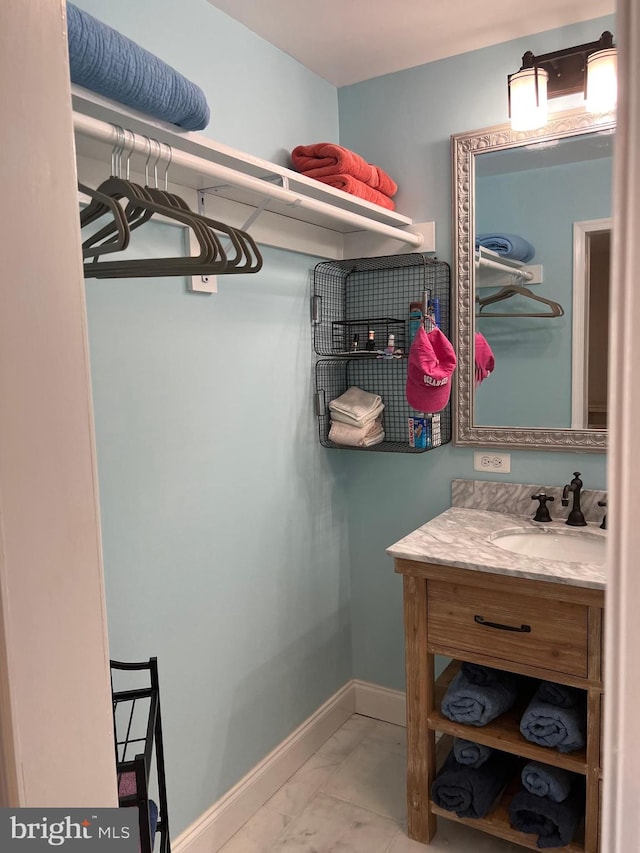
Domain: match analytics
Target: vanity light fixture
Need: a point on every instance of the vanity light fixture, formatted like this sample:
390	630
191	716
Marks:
588	68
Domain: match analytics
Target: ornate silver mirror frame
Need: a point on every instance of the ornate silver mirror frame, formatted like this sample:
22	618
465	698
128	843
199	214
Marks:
465	147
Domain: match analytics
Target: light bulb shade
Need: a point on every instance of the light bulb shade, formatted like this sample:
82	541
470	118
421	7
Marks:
602	81
528	98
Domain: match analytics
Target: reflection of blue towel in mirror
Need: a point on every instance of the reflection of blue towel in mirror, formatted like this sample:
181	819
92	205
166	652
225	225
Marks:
508	245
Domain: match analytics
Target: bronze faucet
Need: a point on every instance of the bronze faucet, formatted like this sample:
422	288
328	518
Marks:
576	518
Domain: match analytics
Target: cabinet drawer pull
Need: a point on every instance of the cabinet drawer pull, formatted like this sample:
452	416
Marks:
523	629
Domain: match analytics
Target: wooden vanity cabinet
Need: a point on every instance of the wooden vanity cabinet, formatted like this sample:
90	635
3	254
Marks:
564	645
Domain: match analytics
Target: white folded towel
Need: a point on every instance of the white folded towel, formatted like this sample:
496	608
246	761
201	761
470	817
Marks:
340	417
351	436
356	404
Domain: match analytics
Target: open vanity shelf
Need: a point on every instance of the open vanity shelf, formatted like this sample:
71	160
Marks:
564	646
497	821
502	733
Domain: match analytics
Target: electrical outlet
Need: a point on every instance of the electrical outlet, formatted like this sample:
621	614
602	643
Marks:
497	463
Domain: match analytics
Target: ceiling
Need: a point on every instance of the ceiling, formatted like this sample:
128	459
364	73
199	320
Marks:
346	41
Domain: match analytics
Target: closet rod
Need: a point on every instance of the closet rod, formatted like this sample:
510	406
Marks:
104	132
496	265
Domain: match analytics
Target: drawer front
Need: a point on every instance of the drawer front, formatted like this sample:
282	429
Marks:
547	634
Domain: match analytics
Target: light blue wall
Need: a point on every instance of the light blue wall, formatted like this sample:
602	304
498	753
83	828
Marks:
531	383
262	101
224	521
403	122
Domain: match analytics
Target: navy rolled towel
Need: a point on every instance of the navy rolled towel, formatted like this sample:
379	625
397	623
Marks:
472	791
553	725
476	673
559	694
545	781
470	753
476	704
105	61
555	824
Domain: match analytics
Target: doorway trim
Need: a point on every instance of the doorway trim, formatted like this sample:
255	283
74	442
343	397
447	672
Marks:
580	325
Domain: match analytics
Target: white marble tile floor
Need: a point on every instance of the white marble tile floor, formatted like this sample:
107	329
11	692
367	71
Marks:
350	798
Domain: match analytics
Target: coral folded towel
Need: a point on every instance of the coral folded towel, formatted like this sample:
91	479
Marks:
323	159
355	187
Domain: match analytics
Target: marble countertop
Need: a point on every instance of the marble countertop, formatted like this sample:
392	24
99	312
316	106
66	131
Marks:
460	537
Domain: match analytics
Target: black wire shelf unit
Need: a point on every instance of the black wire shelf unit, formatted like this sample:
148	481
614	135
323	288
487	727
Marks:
350	300
140	751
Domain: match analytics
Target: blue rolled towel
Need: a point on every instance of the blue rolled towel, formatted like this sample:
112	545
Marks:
105	61
479	674
508	245
552	725
471	791
545	781
476	704
555	824
560	694
470	753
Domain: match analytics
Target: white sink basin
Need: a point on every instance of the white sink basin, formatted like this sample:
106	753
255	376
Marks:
569	546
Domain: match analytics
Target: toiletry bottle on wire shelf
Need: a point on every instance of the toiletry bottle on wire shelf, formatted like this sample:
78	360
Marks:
415	319
390	348
371	341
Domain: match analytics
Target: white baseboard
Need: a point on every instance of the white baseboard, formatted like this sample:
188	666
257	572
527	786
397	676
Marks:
216	826
381	703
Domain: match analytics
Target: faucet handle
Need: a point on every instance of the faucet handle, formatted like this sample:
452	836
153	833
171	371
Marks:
603	526
542	513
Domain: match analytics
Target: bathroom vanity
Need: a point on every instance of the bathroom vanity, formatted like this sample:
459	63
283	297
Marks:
468	599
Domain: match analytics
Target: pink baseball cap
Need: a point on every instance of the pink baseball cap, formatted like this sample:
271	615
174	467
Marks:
429	368
485	362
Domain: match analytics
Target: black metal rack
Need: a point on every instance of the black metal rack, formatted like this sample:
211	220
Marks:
351	337
355	297
138	727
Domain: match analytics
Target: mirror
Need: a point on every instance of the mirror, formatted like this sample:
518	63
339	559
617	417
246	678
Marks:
538	322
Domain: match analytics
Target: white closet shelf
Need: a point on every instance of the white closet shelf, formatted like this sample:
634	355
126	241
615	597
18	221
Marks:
200	163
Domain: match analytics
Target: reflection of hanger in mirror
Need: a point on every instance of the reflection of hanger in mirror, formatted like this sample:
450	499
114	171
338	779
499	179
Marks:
513	290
